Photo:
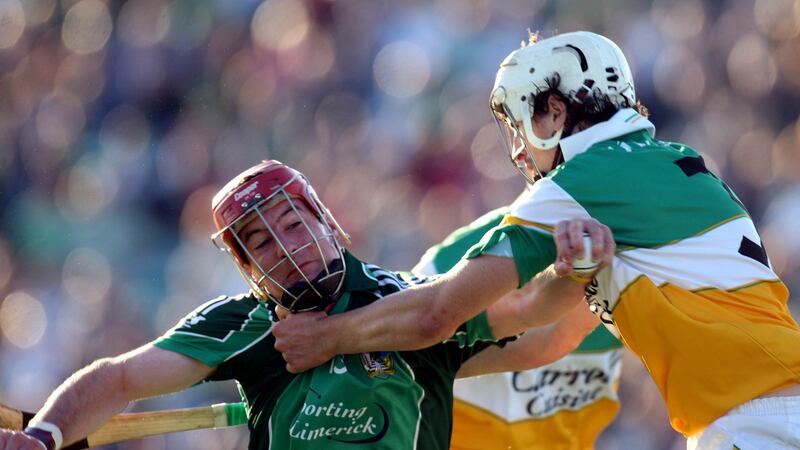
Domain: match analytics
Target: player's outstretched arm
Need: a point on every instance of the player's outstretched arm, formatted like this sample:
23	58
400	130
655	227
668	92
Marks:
556	290
543	300
427	314
411	319
87	399
537	347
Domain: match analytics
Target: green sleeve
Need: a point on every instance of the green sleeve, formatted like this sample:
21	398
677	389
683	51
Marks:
218	330
533	249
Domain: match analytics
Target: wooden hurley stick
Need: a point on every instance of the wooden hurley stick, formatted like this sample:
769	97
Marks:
123	427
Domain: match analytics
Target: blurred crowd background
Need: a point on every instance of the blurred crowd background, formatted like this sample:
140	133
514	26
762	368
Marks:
120	119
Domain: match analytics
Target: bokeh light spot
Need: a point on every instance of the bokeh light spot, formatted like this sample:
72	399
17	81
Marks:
776	18
22	319
144	22
82	76
89	190
311	60
280	24
38	12
487	154
402	69
86	276
679	78
679	19
12	22
59	120
751	67
786	153
87	27
255	96
750	161
463	17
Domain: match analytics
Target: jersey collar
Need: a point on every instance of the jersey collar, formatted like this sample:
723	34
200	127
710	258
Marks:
625	121
356	278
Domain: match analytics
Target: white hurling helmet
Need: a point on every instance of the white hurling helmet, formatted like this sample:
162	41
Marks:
587	64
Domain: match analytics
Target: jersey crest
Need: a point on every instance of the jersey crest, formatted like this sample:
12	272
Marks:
378	364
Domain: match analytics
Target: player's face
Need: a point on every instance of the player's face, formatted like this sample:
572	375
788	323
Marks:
292	246
525	136
524	150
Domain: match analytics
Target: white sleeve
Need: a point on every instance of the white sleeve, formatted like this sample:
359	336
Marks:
502	248
425	265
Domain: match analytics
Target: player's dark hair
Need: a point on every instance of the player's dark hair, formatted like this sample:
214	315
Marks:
595	107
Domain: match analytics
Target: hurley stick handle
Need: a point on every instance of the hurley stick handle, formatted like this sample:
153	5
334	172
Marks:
13	419
138	425
128	426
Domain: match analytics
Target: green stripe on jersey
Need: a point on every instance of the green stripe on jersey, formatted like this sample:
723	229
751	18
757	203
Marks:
649	192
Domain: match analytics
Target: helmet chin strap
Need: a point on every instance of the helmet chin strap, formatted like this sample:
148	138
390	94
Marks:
540	144
547	144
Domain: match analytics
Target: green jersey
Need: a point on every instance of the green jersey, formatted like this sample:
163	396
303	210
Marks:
380	400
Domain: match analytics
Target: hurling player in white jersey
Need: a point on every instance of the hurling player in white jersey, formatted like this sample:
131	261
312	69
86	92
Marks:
691	290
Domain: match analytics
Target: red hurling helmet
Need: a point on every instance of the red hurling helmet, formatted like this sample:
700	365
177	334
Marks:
247	198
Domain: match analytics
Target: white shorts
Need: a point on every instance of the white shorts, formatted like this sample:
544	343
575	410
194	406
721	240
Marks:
771	423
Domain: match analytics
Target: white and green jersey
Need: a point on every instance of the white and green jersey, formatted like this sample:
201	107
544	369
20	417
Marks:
377	400
691	290
563	405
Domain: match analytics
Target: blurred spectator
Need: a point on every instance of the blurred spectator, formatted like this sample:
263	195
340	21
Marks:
118	119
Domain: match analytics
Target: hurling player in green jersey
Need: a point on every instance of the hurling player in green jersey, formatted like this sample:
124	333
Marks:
290	250
691	290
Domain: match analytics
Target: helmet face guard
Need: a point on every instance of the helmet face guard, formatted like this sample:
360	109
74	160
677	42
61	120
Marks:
298	236
517	147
